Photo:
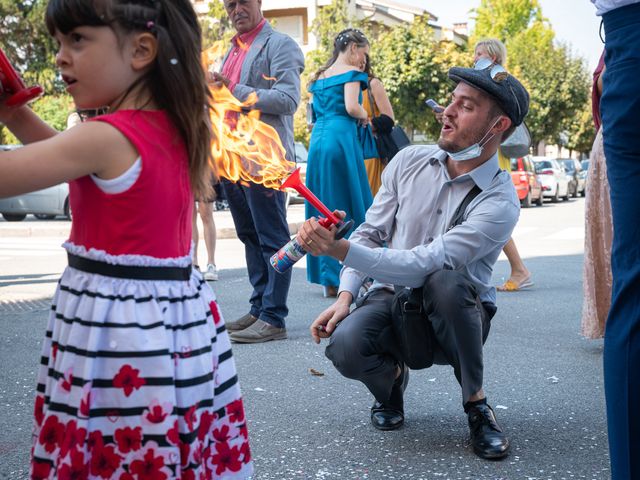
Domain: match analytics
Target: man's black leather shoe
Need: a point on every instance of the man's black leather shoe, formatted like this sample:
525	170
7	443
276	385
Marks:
487	438
391	416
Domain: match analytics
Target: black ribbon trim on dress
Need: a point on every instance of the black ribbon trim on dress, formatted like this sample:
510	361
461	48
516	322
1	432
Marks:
129	271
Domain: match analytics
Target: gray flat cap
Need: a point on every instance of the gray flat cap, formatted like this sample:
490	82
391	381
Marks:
509	93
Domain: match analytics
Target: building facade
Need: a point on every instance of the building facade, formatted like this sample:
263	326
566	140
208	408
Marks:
295	17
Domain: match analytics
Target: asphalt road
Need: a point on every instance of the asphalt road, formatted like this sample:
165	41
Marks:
542	378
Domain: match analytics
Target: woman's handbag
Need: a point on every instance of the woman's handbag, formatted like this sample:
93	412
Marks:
391	143
390	138
368	142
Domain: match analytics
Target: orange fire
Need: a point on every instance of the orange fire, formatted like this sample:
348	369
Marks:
244	148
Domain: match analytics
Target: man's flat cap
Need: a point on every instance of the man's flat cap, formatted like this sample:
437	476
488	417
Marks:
509	93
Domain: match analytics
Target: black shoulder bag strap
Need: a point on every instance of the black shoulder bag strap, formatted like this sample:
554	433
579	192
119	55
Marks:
414	301
458	215
413	329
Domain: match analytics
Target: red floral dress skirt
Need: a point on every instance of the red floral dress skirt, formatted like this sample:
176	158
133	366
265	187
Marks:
137	379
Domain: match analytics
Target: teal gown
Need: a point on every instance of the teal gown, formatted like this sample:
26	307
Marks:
335	168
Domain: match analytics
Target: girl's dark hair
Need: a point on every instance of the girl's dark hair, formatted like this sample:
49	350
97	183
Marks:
367	67
176	79
340	44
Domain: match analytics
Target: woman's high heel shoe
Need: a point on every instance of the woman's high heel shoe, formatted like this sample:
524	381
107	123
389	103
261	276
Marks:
329	291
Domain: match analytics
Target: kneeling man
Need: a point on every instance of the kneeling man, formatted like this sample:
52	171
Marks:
438	223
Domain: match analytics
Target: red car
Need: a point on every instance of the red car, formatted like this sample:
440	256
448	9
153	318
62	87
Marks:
524	178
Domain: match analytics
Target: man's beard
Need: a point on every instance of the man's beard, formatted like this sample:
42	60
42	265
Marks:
452	146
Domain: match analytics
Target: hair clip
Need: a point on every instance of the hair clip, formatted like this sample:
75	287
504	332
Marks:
150	24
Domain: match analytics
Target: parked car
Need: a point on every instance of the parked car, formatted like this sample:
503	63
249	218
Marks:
584	173
44	204
552	177
528	186
577	182
301	161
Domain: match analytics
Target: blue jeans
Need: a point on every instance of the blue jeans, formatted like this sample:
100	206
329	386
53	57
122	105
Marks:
620	107
260	218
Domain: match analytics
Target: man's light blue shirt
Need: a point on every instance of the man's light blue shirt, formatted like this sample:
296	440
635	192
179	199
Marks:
411	213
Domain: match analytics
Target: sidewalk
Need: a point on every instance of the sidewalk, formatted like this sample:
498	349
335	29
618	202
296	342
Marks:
32	227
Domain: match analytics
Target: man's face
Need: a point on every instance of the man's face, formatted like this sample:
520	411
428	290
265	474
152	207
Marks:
466	119
244	14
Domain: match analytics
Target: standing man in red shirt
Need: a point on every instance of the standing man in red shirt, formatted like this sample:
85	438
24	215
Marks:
268	63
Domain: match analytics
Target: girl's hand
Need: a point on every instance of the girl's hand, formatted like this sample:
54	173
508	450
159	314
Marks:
7	113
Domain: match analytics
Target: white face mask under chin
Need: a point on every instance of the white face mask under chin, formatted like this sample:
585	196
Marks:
472	151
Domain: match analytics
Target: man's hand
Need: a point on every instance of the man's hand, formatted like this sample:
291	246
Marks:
325	324
318	240
217	80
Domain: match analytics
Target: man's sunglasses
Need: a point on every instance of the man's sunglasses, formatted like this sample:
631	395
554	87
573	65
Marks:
497	72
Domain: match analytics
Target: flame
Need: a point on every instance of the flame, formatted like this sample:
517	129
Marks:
244	148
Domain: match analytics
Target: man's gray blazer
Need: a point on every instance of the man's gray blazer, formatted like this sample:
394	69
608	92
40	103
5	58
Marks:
272	69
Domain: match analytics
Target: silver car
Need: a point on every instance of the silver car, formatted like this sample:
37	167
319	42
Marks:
553	178
44	204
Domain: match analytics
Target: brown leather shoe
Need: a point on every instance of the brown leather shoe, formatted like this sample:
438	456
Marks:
260	331
241	323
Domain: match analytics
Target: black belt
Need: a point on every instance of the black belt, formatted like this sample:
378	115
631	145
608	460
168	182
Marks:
127	271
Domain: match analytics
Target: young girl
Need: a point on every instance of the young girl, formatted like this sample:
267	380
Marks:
136	377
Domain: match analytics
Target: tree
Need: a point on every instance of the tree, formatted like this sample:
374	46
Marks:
330	20
216	26
413	67
27	43
31	50
557	82
580	131
504	19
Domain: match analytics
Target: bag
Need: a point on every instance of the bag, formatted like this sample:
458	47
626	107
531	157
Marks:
391	143
518	143
368	142
412	327
410	322
388	144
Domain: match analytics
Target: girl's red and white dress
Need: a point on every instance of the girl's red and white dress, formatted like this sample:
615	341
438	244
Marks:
136	378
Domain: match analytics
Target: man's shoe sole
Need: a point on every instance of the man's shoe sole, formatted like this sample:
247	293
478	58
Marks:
276	336
496	456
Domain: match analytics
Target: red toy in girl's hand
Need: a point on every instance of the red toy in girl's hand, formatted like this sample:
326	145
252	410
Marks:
12	87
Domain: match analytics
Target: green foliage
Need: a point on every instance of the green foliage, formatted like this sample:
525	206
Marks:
504	19
27	43
216	25
558	83
53	109
413	67
330	20
581	131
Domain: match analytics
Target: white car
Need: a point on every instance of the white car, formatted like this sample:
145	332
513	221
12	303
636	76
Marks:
294	197
44	204
553	178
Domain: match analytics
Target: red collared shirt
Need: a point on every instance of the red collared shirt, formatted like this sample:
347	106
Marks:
241	44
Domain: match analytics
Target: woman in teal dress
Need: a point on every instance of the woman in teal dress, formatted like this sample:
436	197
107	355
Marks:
335	169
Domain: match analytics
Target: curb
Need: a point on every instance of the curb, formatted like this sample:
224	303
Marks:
223	233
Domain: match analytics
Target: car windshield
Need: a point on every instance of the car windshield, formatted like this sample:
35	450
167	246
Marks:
584	164
543	164
568	165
